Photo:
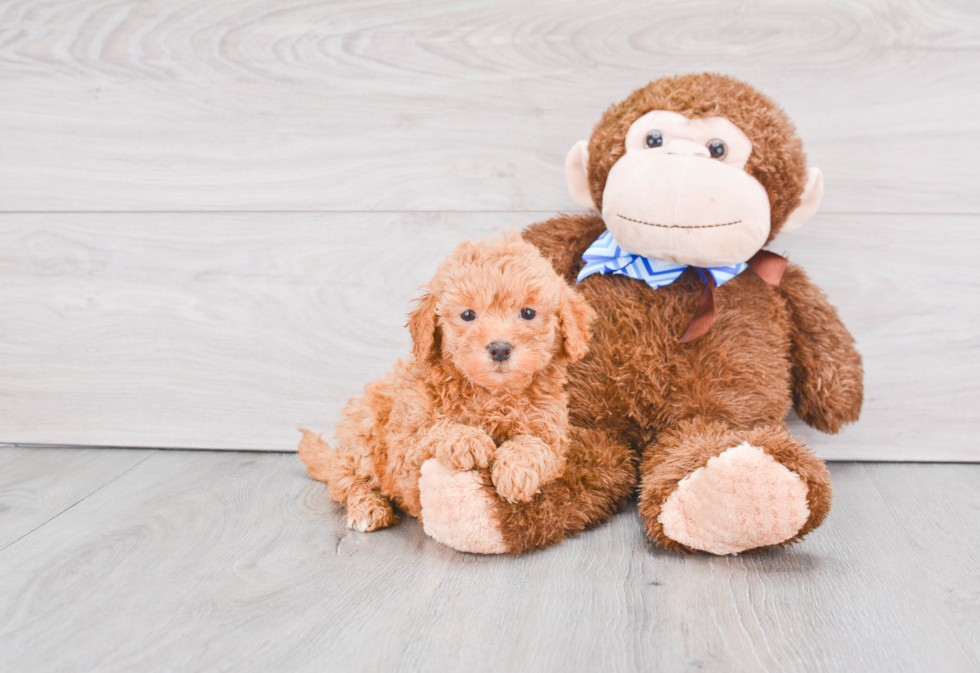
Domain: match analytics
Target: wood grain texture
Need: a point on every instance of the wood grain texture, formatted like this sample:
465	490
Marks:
231	330
38	485
180	328
207	331
385	105
945	532
220	561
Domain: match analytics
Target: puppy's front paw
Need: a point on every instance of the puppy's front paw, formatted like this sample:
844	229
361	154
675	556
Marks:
514	480
522	466
466	448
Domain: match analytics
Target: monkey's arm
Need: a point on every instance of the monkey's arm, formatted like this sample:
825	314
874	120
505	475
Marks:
828	387
563	239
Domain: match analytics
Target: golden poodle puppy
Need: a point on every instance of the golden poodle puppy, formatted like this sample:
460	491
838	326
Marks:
484	387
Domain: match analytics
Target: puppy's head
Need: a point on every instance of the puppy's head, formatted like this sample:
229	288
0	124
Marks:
498	311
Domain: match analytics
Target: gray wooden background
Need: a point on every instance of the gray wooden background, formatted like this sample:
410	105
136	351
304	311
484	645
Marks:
213	215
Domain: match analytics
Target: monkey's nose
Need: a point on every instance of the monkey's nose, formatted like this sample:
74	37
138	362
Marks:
686	148
500	350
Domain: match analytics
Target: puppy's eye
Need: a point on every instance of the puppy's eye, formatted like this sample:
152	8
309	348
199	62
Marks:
717	149
655	139
528	313
468	315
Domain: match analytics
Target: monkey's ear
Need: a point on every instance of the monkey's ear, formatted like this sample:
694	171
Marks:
809	202
422	326
575	317
577	174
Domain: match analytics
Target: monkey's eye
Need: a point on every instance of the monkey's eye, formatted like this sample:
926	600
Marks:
468	315
717	149
528	313
655	139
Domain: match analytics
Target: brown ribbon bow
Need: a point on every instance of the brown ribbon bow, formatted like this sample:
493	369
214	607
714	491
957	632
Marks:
767	265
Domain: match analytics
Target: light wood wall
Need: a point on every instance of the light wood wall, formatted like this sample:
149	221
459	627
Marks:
213	216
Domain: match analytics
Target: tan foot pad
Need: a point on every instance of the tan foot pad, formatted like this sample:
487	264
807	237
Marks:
740	500
458	511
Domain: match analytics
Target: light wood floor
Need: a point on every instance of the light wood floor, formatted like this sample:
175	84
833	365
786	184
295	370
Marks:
203	561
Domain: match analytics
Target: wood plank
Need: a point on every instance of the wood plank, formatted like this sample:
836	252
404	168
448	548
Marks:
939	505
436	105
225	560
906	289
37	485
230	330
206	331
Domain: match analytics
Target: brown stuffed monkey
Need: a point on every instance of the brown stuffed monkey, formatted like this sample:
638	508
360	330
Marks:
702	342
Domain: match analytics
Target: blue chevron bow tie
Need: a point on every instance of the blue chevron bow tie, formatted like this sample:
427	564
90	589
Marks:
605	256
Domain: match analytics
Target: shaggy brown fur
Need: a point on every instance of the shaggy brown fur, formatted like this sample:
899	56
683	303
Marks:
599	477
452	400
677	405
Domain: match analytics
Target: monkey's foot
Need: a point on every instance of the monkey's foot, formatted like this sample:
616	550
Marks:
713	494
740	500
460	510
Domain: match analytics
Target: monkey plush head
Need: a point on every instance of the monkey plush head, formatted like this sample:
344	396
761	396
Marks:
697	169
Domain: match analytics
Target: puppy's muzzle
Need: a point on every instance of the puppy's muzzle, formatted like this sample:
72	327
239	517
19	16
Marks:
499	351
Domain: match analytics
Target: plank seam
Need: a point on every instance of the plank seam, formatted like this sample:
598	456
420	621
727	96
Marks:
83	498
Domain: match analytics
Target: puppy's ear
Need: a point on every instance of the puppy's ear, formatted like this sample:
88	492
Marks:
422	325
575	317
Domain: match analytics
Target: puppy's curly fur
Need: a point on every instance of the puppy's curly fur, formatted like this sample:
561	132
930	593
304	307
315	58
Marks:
452	400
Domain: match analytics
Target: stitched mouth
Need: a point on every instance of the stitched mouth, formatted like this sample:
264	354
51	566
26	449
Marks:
679	226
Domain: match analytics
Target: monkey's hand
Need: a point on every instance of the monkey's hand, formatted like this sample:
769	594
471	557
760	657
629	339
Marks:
523	465
828	381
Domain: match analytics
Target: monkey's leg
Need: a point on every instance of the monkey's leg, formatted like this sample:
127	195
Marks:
463	511
704	486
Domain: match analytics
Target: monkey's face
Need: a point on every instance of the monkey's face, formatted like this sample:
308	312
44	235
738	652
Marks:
681	193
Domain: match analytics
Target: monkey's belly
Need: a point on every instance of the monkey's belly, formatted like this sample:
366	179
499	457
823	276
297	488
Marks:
638	378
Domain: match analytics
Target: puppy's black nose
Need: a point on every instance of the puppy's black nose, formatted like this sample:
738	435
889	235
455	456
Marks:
500	350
